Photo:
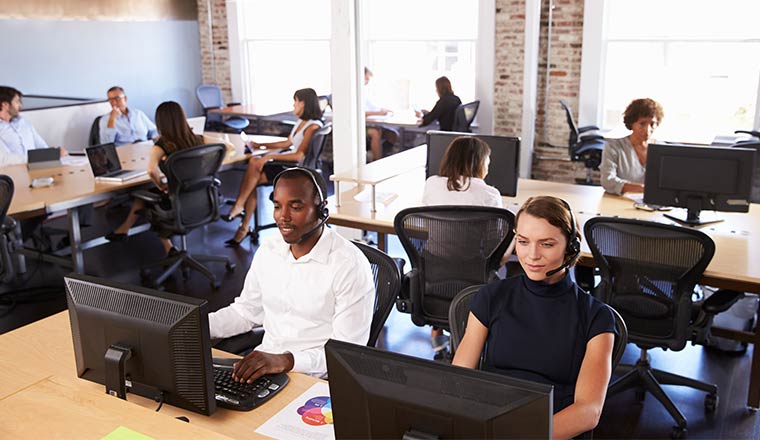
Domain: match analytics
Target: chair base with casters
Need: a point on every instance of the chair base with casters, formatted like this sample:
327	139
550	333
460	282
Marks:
183	260
590	153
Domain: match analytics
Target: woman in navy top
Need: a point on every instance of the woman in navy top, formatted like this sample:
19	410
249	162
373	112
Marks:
541	326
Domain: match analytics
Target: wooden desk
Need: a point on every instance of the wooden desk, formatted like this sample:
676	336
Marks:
737	239
379	171
75	186
42	396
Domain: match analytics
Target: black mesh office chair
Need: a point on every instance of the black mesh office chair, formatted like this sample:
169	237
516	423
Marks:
450	248
387	276
583	145
192	201
210	97
7	228
755	195
94	137
649	271
312	159
464	115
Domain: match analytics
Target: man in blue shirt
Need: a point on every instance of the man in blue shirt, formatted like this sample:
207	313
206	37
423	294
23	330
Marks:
17	136
124	125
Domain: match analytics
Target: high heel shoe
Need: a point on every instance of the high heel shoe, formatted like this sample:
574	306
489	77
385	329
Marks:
228	218
236	243
116	236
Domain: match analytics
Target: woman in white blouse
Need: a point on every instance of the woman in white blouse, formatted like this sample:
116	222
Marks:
460	182
306	107
624	160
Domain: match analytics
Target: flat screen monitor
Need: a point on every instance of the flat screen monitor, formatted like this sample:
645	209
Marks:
378	394
143	341
699	179
505	158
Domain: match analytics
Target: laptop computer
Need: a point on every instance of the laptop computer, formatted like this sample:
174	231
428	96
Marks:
43	158
106	166
197	124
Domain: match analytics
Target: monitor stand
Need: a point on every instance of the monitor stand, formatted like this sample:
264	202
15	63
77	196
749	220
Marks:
692	215
115	361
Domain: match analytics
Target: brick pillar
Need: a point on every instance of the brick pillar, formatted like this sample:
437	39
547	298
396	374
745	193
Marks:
215	53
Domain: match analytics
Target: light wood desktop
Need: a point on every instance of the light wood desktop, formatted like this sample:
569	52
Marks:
737	239
41	396
75	186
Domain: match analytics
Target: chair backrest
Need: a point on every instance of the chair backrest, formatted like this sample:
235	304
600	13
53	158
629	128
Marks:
193	186
464	115
621	338
573	139
210	96
316	147
450	248
94	137
755	195
324	102
459	312
387	277
6	195
649	271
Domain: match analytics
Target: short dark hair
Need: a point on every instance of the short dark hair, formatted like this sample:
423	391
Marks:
311	175
311	108
642	108
115	89
8	93
465	157
367	71
443	86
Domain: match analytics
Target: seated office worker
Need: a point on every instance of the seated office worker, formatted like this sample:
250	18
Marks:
17	136
541	326
460	182
124	125
374	133
624	160
306	285
445	108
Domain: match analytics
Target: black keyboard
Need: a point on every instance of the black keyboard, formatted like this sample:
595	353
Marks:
244	396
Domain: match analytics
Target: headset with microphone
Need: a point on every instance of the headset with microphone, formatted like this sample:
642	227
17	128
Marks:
322	212
573	244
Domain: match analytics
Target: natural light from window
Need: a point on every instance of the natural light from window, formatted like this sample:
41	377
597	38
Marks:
698	58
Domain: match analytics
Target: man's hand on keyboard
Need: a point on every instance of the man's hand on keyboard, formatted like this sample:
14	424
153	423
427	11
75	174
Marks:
258	363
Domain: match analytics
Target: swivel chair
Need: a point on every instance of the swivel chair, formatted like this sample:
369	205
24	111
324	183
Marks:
7	228
386	273
312	159
584	146
192	201
210	97
649	271
464	115
94	137
450	248
755	195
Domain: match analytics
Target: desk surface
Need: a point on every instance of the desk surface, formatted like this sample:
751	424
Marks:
245	110
75	185
380	171
38	383
401	119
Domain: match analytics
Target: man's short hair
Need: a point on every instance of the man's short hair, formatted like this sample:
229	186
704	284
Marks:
313	176
8	93
115	89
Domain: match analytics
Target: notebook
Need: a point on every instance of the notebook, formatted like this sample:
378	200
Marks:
43	158
197	124
106	166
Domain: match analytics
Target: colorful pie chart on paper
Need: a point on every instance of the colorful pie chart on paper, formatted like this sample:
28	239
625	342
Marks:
317	411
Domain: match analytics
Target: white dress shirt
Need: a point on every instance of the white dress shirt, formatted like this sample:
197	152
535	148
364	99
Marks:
16	138
479	193
327	293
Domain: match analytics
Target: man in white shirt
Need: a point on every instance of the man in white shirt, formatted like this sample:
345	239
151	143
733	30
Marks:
374	132
124	125
17	136
305	286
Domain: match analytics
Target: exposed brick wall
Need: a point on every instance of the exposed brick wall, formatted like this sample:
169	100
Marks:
215	49
549	163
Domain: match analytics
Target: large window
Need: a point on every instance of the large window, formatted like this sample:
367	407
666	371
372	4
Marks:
284	46
411	43
698	58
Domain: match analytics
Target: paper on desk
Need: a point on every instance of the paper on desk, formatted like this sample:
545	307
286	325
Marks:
309	416
122	433
380	197
74	161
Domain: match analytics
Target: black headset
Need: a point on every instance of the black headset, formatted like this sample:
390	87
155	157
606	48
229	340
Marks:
319	184
573	248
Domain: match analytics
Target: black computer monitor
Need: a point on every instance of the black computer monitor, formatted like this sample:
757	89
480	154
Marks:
505	158
378	394
150	343
699	179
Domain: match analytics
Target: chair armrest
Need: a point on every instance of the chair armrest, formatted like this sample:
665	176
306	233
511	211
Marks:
590	137
288	122
721	300
404	301
749	132
230	104
147	196
587	128
9	224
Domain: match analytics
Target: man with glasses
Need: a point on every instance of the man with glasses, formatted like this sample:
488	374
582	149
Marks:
124	125
17	136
